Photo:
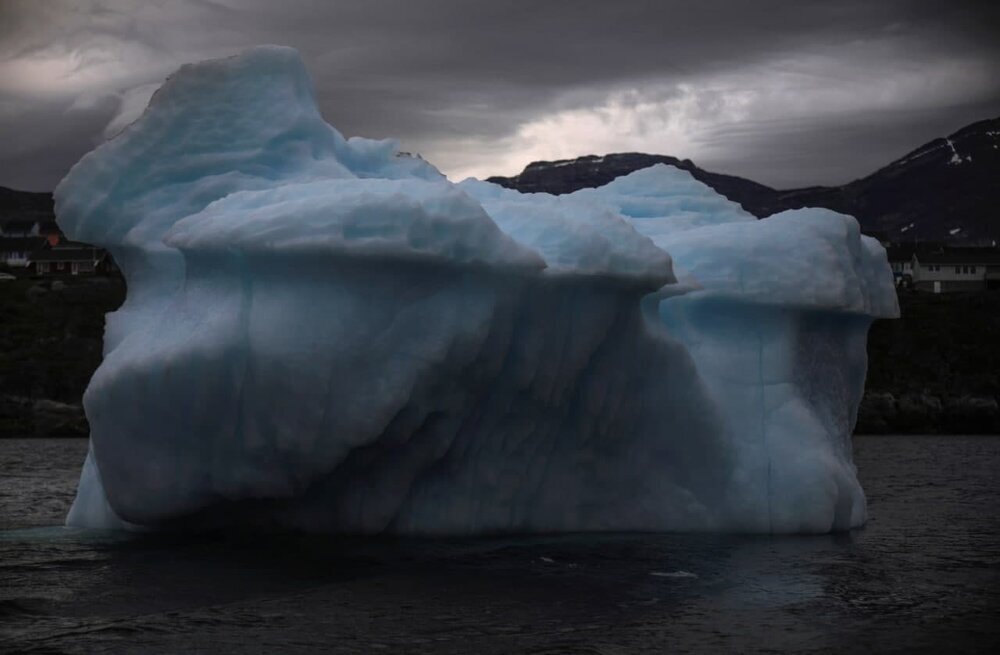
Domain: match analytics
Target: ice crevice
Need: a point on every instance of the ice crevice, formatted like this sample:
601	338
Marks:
324	334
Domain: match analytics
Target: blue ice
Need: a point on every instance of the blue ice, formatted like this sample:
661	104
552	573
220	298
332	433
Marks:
326	334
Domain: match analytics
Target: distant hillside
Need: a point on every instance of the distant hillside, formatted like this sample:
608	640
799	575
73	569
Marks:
24	205
946	190
566	176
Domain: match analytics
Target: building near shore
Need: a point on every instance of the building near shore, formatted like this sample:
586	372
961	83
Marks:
17	252
71	258
957	269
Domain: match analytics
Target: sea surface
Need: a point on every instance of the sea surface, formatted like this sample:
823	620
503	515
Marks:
923	576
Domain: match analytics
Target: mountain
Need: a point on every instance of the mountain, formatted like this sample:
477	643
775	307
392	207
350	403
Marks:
947	190
566	176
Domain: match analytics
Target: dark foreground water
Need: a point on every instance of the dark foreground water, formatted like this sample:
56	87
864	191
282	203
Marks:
922	576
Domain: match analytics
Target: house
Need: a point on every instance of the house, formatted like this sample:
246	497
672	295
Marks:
47	228
50	230
19	228
958	269
17	252
901	262
69	259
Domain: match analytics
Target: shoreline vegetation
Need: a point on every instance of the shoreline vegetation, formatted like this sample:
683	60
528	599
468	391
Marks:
936	370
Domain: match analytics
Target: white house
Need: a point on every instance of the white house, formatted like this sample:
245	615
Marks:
960	269
17	252
901	262
69	259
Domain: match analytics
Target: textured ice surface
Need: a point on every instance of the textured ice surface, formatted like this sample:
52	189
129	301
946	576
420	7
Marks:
326	334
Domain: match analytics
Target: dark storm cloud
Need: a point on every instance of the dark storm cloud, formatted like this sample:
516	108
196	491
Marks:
797	153
39	144
790	92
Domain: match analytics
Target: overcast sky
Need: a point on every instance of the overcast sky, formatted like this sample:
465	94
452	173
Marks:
785	92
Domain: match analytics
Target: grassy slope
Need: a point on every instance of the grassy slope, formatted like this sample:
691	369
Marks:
50	344
50	341
943	345
937	368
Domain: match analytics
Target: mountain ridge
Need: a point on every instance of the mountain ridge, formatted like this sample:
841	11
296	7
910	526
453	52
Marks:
944	190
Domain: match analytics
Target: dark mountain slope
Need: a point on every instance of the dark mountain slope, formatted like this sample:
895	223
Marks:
24	205
946	190
569	175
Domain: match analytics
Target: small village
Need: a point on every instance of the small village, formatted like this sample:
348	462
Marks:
940	268
38	248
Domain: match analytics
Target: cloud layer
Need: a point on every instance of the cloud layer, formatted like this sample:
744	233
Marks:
787	93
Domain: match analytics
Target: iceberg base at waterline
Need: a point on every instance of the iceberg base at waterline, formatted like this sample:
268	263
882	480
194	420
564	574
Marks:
325	334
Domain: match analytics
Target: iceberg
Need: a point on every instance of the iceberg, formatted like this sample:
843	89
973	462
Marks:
326	334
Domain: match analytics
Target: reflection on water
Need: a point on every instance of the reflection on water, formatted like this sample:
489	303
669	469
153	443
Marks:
922	576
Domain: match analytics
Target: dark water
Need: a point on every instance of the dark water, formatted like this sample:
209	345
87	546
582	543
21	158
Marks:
923	576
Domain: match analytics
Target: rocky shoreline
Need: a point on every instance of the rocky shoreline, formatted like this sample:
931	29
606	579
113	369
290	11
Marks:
885	413
41	417
935	370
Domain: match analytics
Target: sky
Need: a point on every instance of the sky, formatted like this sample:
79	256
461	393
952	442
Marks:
788	93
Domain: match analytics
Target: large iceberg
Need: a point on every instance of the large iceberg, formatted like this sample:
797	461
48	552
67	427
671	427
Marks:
326	334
